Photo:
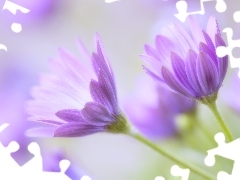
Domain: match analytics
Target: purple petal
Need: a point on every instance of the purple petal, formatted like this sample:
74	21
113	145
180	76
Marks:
100	50
150	51
186	37
99	64
222	62
207	73
74	129
209	41
70	115
41	132
98	95
109	92
83	51
196	31
179	70
204	48
212	27
50	122
181	44
174	83
151	61
164	47
156	78
96	114
192	72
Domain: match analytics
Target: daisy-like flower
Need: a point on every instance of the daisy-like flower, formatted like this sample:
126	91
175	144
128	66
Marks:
154	115
77	101
188	65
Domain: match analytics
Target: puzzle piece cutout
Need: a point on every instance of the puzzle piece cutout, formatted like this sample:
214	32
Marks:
110	1
182	7
229	151
3	126
236	16
12	7
33	169
222	51
177	172
2	46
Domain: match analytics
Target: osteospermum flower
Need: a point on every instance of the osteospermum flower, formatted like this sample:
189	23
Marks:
188	64
77	101
154	115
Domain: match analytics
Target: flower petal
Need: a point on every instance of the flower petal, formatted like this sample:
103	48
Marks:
192	72
99	64
204	48
164	47
74	129
70	115
156	78
180	43
186	36
98	94
109	92
207	73
41	132
96	114
222	62
150	51
196	31
174	83
179	70
209	41
212	27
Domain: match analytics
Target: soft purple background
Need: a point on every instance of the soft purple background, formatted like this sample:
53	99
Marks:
124	26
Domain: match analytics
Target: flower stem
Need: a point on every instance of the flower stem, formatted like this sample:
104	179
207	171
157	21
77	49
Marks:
177	160
213	108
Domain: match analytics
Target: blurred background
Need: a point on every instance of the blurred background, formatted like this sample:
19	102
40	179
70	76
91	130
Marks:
124	27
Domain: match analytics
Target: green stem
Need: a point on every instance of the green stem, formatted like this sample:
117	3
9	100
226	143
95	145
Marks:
179	161
216	113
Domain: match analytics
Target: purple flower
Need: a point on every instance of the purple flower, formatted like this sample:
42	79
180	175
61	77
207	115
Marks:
152	109
77	101
14	82
230	91
188	66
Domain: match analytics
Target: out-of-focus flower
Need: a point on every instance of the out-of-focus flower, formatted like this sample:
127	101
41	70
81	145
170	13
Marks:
77	101
186	65
152	109
51	164
15	81
230	92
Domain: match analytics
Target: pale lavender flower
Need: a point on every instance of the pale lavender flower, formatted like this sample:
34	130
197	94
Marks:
231	91
152	109
77	101
188	65
15	80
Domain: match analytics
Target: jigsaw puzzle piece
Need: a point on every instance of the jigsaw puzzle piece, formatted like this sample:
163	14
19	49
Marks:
236	16
157	178
177	171
12	7
5	125
88	178
222	51
182	7
34	164
9	165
